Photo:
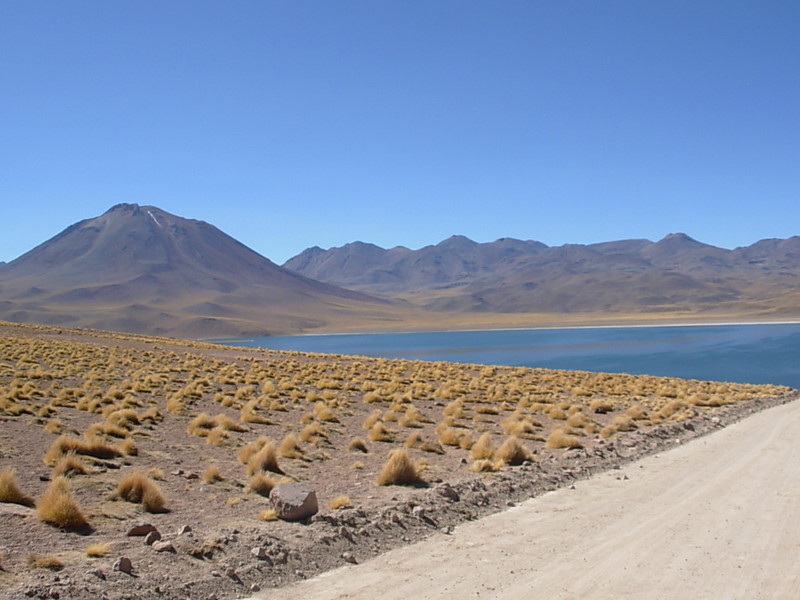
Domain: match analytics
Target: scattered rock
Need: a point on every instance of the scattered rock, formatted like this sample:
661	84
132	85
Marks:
123	564
97	573
192	476
141	529
348	557
447	491
185	529
163	547
259	552
294	501
254	587
152	537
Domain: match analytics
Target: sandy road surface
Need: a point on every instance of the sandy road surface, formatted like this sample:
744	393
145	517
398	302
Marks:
716	518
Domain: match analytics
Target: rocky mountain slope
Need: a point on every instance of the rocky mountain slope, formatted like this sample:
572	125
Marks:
515	276
141	269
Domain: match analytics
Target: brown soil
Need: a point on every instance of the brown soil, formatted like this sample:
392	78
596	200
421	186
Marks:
84	376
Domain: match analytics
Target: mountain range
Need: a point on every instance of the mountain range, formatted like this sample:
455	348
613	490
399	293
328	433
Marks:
677	273
141	269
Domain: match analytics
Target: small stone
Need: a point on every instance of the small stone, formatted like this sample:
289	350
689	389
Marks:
348	557
97	573
216	573
254	587
192	476
163	547
141	529
448	492
294	501
259	552
152	537
185	529
231	572
123	564
44	476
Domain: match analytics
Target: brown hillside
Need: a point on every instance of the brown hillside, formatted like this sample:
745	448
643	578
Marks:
141	269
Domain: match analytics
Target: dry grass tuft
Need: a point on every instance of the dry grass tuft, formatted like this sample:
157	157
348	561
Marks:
65	444
58	507
340	502
290	448
268	515
212	475
513	452
399	469
261	484
485	465
68	466
9	490
137	488
380	433
45	561
559	438
357	444
266	459
483	448
97	550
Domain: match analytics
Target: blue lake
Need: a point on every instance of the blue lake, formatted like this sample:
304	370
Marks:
764	353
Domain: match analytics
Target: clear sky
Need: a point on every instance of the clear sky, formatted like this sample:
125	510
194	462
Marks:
295	123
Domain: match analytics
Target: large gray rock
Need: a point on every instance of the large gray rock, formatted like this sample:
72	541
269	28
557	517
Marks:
294	501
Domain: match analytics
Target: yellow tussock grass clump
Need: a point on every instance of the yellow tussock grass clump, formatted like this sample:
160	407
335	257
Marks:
268	515
261	484
97	550
10	491
313	433
485	465
290	448
513	452
372	419
137	488
66	444
559	438
340	502
323	413
483	448
399	469
246	453
266	459
68	466
357	444
58	507
380	433
212	475
45	561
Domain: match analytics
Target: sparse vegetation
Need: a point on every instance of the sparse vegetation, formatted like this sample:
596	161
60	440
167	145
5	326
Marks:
10	491
137	488
399	469
58	507
185	412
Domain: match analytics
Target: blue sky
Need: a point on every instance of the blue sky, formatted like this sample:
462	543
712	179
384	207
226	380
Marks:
295	123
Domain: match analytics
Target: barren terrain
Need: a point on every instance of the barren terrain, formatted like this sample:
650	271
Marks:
715	518
192	418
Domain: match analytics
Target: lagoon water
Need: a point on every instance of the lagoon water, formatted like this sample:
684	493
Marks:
763	353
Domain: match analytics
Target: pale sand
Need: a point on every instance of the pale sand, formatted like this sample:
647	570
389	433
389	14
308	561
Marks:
716	518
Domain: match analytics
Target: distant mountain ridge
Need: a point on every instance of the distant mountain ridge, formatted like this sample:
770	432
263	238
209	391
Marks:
139	268
509	275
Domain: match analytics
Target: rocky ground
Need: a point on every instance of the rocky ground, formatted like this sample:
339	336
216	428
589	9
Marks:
210	541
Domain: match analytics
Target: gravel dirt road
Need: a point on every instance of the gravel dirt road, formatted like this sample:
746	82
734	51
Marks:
716	518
